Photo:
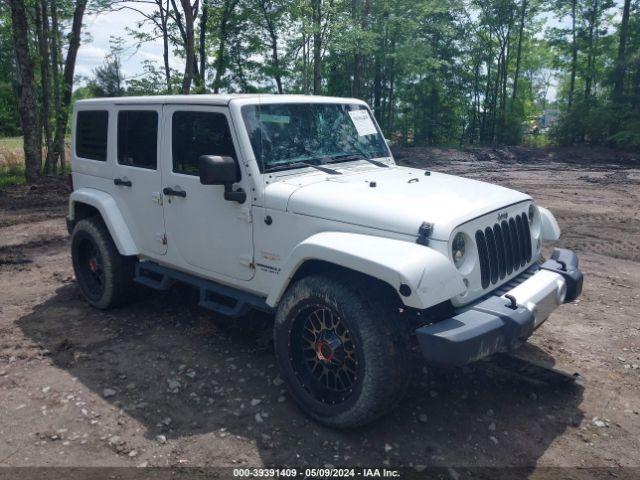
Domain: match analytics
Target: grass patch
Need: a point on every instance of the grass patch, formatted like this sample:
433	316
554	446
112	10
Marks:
11	161
10	143
541	140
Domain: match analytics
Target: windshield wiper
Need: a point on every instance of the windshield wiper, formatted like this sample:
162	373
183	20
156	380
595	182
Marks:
286	166
356	156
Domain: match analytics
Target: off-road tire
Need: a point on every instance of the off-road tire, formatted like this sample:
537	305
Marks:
370	313
117	287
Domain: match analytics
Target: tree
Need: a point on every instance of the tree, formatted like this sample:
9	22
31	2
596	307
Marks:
620	67
43	34
226	16
316	19
108	80
63	102
26	91
188	29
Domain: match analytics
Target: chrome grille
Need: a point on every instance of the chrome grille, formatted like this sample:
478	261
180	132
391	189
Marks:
503	249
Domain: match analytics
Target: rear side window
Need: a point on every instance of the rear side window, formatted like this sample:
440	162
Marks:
199	133
138	138
91	134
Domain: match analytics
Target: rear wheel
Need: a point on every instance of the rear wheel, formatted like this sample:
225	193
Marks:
340	349
105	277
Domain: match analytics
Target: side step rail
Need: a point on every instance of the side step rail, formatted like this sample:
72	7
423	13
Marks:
532	371
213	296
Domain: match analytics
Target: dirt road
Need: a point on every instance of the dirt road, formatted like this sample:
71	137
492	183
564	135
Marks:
159	383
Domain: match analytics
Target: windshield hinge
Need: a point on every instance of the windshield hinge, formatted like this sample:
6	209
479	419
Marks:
245	214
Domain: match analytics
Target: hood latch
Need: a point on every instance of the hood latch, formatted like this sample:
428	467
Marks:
424	232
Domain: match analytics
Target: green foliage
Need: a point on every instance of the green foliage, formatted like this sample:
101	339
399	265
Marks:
9	116
590	111
151	81
108	79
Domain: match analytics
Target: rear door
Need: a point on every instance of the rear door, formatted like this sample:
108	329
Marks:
137	176
208	233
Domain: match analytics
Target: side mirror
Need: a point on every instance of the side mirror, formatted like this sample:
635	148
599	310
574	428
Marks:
216	170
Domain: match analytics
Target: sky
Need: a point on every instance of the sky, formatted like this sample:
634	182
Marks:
100	28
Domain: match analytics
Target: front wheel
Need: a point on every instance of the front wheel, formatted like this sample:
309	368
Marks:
340	349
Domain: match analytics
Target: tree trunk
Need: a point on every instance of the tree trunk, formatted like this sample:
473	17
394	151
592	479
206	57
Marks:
42	26
391	108
189	47
164	19
55	71
204	17
27	95
591	50
377	86
277	75
505	74
523	14
357	56
273	36
620	67
229	6
574	53
67	79
316	18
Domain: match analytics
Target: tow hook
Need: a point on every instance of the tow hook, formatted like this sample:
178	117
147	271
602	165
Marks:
514	304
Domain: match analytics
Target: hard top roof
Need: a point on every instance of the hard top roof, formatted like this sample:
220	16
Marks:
218	99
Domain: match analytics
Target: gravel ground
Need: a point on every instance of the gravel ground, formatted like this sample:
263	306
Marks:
161	383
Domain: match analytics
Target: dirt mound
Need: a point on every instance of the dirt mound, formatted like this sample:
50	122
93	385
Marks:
583	156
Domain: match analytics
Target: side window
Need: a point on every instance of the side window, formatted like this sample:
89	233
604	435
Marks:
138	138
91	134
199	133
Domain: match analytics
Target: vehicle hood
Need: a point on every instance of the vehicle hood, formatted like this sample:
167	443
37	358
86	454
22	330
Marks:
397	199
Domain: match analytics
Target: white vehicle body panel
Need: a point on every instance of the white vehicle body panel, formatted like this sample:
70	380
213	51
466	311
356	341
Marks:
549	226
401	199
141	203
111	215
203	230
428	273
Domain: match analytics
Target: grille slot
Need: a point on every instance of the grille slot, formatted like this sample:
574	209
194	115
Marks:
503	249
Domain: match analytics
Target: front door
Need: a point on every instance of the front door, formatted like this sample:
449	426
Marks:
137	176
205	231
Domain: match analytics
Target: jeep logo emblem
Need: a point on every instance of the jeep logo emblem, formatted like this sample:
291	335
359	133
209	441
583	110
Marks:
502	216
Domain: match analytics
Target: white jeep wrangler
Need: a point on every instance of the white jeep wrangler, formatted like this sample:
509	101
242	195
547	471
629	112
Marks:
294	205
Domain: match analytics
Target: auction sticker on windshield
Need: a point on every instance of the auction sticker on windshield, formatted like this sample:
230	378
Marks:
363	123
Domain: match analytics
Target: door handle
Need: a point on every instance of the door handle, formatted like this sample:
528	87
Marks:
122	183
176	193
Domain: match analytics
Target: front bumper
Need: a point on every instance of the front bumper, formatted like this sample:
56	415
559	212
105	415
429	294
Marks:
501	323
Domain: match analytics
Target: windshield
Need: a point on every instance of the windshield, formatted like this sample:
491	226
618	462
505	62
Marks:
313	133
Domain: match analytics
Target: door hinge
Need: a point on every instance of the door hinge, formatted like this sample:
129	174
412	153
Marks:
162	238
246	260
245	214
157	198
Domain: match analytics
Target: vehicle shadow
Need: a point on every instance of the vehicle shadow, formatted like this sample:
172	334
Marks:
165	358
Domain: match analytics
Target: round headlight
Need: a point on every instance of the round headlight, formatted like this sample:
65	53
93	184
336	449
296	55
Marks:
458	248
532	213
